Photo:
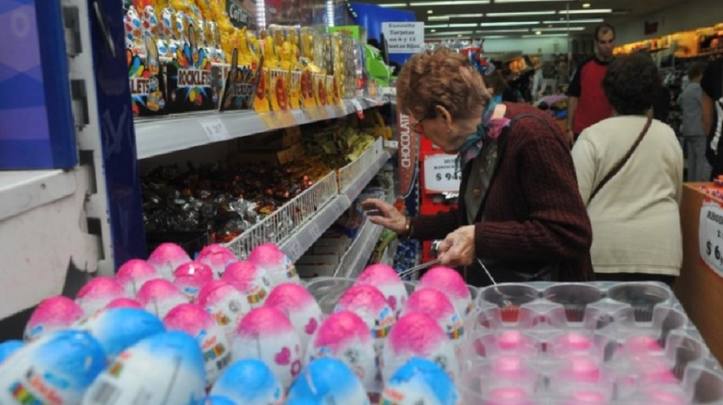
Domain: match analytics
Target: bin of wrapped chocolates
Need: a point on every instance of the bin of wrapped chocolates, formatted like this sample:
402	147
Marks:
219	330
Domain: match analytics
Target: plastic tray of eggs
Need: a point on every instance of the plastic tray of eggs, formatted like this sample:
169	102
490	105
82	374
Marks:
585	343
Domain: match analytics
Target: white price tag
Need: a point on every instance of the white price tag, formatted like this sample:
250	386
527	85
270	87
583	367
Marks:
358	108
391	144
710	236
215	129
440	174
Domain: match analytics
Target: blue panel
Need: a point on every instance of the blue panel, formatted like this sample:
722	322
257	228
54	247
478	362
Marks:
117	134
371	17
36	120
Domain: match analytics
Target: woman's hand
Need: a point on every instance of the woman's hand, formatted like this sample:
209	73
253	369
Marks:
384	214
458	249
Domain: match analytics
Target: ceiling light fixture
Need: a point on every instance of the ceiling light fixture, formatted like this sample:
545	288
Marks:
430	11
437	18
446	3
507	23
587	11
449	33
504	31
467	15
562	29
585	5
433	30
529	1
582	21
392	5
463	25
538	32
428	26
521	13
546	36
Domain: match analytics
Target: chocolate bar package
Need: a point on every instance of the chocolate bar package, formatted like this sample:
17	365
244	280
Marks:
189	75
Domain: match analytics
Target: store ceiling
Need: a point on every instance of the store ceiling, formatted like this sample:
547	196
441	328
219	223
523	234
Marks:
497	18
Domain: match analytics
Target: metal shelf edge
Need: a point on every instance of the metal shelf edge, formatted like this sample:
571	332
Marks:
302	239
355	188
360	250
21	191
169	134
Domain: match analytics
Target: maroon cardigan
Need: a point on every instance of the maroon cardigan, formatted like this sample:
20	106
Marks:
533	214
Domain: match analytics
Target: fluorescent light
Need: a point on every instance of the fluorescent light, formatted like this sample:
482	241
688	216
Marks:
449	33
465	25
546	36
430	11
330	12
587	11
432	30
437	18
562	29
529	1
538	32
467	15
495	36
504	31
389	5
586	21
520	13
447	3
585	5
507	23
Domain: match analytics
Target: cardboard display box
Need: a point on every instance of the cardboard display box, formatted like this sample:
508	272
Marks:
699	288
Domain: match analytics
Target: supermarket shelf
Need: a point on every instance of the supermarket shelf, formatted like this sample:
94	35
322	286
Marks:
302	239
159	136
366	168
21	191
300	222
360	250
42	232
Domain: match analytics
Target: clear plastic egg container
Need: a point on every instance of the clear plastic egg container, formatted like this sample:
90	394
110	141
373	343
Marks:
585	343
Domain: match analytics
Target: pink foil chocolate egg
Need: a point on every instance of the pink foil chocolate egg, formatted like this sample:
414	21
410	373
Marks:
387	280
124	303
217	260
510	367
215	248
267	334
166	258
52	314
195	321
133	274
345	336
225	303
587	397
508	396
251	280
449	282
571	342
300	306
581	368
190	277
158	296
277	265
642	345
418	335
98	292
371	306
437	306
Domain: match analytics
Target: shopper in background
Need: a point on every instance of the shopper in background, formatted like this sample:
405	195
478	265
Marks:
630	173
519	209
694	136
587	104
712	84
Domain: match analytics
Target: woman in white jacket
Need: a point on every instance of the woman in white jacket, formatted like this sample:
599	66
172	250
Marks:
630	173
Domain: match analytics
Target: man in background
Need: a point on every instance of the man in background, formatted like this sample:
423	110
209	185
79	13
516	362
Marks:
587	103
694	136
712	85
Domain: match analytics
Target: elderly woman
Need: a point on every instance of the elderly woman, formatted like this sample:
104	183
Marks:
519	210
630	171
